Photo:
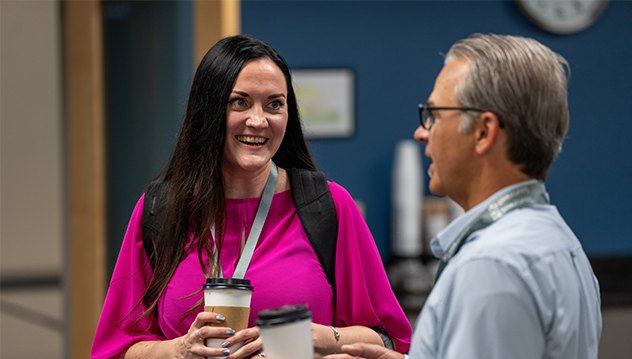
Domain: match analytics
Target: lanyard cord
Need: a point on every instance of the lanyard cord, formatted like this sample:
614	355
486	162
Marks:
521	197
255	231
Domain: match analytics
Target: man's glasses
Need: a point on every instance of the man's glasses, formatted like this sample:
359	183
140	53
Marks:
427	119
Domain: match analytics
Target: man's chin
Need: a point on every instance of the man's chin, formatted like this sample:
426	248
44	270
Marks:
435	187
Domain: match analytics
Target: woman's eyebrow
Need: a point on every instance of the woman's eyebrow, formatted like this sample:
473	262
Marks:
245	94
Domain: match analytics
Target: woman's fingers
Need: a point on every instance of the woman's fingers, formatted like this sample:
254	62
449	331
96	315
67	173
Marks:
194	341
207	317
213	352
246	335
251	343
248	350
213	332
200	331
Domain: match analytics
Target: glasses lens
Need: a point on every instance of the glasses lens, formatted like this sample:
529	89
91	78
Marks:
428	120
423	116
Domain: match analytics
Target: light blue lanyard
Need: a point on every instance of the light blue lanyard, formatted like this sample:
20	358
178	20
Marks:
255	231
525	196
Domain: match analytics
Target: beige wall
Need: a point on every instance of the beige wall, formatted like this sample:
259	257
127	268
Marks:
32	212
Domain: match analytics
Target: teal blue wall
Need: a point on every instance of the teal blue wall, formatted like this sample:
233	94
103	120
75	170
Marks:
395	49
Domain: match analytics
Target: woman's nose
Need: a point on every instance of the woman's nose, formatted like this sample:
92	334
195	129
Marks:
256	118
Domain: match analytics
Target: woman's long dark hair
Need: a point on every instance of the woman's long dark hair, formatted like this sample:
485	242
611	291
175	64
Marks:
196	190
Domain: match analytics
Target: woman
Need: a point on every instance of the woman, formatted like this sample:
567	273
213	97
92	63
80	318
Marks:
241	122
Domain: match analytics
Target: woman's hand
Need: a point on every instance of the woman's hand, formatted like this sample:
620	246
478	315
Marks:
188	346
199	332
192	345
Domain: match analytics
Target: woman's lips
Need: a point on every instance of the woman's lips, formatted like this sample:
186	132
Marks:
252	140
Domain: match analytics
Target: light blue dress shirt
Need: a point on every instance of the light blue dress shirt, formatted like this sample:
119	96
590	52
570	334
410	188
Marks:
519	288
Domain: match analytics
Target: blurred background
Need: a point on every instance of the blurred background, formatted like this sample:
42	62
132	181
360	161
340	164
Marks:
93	93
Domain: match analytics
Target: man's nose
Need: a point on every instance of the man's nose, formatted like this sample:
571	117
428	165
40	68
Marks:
421	134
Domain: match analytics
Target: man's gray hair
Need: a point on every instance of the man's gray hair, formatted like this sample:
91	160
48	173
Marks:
525	84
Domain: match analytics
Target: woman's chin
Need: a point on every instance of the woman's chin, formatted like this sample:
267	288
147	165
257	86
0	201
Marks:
249	165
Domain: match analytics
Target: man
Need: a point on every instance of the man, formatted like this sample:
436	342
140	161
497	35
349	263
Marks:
513	281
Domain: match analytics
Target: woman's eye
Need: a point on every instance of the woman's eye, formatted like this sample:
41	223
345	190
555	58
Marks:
276	105
238	102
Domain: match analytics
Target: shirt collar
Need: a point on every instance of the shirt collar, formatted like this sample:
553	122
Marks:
446	236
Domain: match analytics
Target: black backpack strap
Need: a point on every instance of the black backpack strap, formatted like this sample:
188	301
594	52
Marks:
317	212
153	213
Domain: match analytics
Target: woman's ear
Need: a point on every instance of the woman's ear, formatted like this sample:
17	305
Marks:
486	130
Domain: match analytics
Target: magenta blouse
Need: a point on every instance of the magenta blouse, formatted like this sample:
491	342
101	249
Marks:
284	270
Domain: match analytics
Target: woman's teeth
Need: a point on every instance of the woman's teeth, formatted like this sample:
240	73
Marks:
249	140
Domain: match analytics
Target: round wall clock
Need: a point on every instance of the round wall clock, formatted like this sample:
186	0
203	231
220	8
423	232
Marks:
563	16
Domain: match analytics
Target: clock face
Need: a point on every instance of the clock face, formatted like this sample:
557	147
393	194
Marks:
563	16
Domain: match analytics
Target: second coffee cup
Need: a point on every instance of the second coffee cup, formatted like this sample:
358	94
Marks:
230	298
286	332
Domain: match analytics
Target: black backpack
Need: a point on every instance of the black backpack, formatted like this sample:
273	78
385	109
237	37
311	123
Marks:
314	206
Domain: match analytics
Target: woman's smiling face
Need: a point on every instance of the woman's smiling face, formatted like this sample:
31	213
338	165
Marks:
256	117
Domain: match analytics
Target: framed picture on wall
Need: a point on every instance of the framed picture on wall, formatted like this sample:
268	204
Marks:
326	101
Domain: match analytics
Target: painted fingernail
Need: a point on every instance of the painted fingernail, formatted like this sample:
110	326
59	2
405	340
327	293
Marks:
225	344
220	318
226	352
230	332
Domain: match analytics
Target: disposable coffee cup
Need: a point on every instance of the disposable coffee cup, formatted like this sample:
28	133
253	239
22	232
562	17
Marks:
230	298
286	332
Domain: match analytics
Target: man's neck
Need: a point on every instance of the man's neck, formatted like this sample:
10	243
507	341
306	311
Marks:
487	185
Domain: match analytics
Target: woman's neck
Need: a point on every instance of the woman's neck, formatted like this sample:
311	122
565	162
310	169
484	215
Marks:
251	184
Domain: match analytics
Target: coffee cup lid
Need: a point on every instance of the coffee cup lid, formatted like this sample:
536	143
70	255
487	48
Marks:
227	283
282	315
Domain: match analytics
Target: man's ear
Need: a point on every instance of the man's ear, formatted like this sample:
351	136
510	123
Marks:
487	130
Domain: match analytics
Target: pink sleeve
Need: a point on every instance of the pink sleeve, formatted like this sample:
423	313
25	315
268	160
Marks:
364	294
119	326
